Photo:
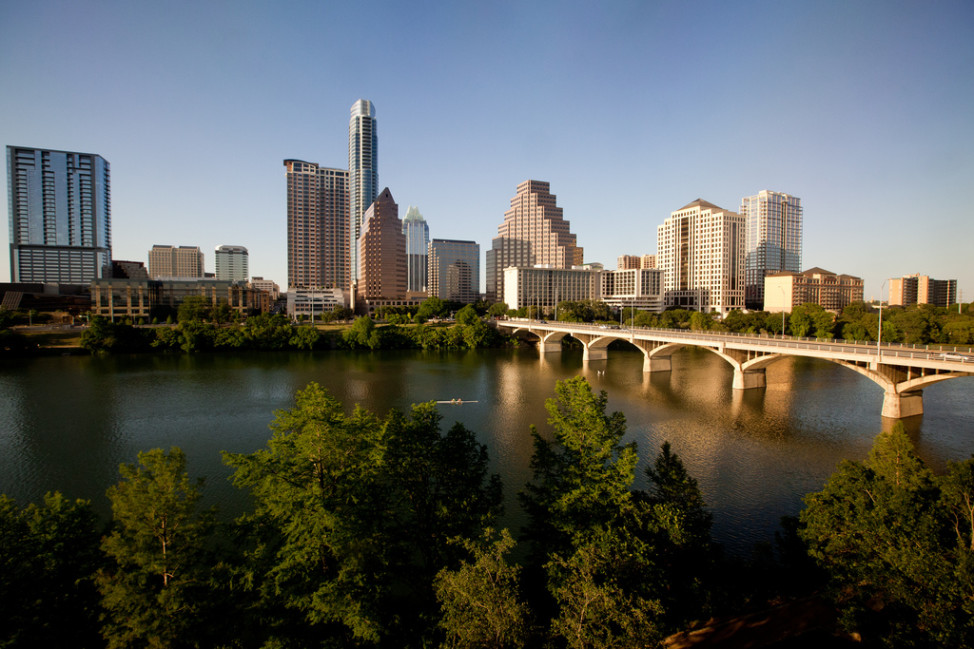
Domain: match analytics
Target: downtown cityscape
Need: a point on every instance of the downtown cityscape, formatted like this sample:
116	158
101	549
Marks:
523	325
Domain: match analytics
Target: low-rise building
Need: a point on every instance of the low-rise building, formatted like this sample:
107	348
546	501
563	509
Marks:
786	290
543	287
116	298
312	302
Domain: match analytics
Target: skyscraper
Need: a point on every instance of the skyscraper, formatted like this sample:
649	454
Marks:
454	270
700	250
60	216
772	240
363	173
317	226
232	263
417	241
533	232
381	253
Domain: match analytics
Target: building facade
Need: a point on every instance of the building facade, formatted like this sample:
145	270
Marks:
786	290
266	286
454	270
627	262
922	289
317	226
534	232
311	303
232	263
147	299
636	288
701	254
166	262
544	287
381	254
417	234
363	173
59	206
772	240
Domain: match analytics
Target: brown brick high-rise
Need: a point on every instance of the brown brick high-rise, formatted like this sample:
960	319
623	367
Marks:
382	253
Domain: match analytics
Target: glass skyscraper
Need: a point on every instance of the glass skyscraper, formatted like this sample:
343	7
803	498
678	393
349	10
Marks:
60	216
454	270
772	240
363	173
417	241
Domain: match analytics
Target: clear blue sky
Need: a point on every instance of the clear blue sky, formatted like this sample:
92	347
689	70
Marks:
629	109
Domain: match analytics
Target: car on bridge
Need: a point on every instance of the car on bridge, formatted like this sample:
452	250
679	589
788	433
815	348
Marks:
951	356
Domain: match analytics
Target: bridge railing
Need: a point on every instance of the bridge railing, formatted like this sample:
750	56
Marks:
866	347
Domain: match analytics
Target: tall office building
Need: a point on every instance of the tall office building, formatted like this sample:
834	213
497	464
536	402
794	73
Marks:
59	204
317	226
363	173
168	262
232	263
381	253
534	232
772	240
701	252
417	242
454	270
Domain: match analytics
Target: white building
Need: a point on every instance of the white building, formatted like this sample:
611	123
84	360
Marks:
543	287
314	301
232	263
700	249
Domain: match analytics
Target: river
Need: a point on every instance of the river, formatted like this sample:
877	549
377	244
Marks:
67	422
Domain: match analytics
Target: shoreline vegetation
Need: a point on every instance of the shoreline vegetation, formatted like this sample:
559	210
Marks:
436	324
371	530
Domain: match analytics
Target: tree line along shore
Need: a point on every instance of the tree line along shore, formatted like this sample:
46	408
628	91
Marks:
436	324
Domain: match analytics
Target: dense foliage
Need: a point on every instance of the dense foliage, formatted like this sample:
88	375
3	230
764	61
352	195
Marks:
372	530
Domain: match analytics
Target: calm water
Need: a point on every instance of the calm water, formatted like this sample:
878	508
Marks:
67	422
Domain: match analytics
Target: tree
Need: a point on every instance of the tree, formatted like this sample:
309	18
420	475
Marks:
893	539
49	555
432	307
155	590
354	514
194	307
497	310
362	333
467	316
479	600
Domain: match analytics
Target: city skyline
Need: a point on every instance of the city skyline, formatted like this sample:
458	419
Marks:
611	105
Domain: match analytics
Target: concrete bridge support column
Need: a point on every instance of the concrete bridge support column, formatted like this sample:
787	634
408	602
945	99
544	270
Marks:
594	353
749	379
549	348
656	363
900	405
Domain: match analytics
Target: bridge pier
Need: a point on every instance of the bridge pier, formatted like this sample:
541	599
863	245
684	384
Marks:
594	353
656	363
899	405
749	379
546	347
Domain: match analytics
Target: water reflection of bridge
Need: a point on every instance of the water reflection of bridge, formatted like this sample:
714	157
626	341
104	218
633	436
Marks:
902	371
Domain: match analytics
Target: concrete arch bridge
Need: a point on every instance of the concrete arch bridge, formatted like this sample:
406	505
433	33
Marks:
901	370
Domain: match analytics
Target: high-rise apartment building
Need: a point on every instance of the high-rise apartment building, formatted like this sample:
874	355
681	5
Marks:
232	263
631	262
381	254
60	216
701	252
167	262
772	240
454	270
417	234
922	289
317	226
534	232
363	173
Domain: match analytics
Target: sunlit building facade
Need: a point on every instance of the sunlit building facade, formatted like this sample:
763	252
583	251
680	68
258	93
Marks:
922	289
59	206
786	290
363	173
167	262
381	254
534	232
317	225
232	263
772	240
701	253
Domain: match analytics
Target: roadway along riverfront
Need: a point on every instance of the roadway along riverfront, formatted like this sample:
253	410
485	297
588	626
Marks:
901	370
